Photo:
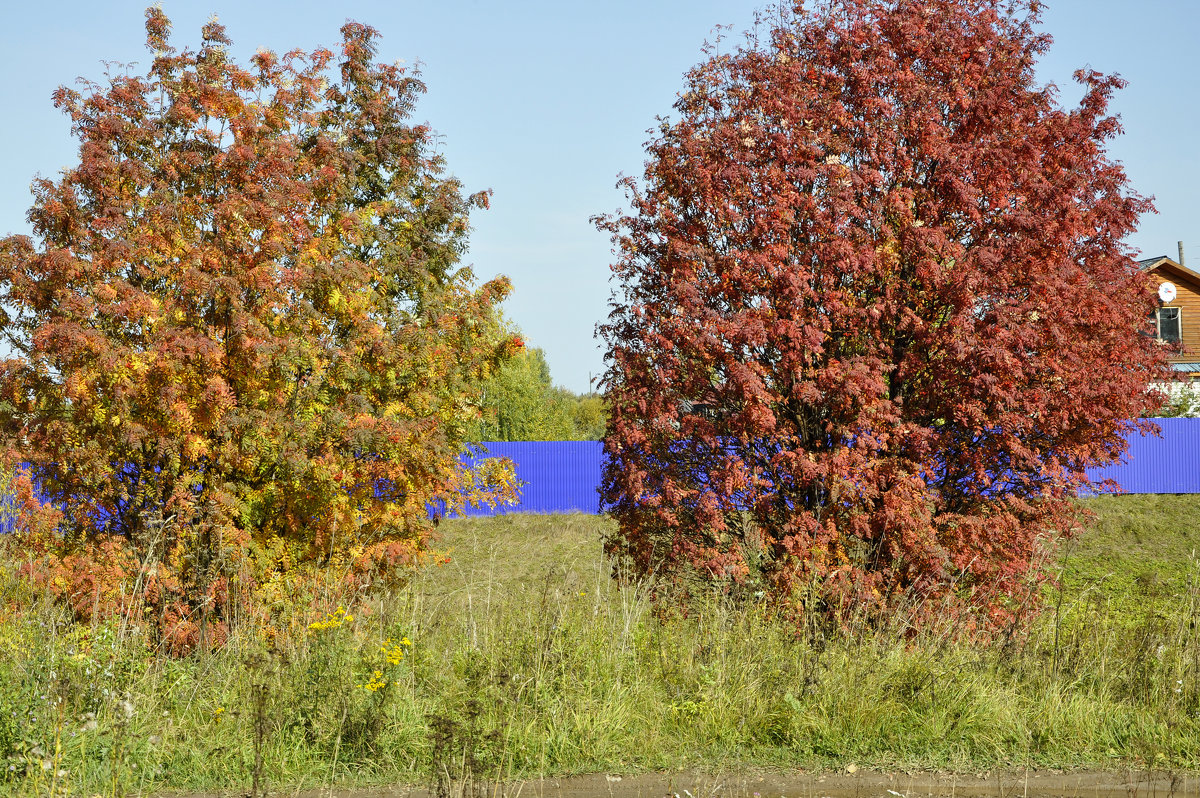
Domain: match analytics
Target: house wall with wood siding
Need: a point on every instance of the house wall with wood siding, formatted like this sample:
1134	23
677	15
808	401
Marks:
1187	299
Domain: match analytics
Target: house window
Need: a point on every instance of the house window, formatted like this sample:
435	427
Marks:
1169	329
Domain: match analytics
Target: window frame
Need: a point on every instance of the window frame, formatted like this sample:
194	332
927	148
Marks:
1158	323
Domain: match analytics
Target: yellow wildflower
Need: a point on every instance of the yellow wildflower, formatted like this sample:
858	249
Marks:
333	620
393	651
377	682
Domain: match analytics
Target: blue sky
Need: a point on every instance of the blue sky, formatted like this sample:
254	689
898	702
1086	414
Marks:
547	102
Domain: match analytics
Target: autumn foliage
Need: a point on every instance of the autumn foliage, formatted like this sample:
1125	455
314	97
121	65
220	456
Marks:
875	315
243	340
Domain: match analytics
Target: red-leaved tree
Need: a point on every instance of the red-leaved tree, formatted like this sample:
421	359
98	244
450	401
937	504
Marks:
243	339
875	316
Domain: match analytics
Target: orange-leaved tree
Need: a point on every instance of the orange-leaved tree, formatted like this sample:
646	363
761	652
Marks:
876	318
242	336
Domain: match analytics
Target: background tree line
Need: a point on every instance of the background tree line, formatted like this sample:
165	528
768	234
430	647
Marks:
520	402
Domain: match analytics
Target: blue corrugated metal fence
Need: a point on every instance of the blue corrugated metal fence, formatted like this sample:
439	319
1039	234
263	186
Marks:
556	476
564	476
1166	464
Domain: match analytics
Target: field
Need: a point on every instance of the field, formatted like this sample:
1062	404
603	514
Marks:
520	657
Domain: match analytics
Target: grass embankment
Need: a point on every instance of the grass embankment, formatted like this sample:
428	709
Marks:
520	657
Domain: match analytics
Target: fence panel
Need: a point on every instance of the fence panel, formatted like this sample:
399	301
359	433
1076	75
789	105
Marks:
1154	464
557	476
564	476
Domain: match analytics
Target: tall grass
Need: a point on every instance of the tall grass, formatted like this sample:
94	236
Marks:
522	657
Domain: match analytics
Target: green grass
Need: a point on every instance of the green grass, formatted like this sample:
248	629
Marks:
527	659
1138	553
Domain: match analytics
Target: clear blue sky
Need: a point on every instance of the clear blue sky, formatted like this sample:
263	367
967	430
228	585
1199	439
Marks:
545	102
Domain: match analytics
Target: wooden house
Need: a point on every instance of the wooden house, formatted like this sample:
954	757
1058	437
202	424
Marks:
1177	320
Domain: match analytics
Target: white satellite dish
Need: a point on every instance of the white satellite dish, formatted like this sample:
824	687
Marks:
1166	292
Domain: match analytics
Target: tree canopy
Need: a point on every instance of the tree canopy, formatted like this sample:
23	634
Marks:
242	332
875	315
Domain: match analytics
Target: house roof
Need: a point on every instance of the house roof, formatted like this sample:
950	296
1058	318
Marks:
1163	262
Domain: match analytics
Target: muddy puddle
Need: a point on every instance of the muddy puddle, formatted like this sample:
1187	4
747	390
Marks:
856	784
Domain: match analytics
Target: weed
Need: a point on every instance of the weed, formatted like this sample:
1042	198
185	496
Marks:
260	666
464	758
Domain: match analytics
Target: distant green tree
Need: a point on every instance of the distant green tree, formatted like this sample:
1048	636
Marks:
518	403
521	403
590	413
1183	401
